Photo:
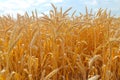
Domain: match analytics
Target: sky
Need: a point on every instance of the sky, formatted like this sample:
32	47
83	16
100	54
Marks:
13	7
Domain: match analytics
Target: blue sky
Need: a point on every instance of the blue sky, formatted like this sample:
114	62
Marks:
20	6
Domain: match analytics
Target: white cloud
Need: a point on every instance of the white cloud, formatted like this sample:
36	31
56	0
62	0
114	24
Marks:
20	6
94	2
56	1
13	4
91	2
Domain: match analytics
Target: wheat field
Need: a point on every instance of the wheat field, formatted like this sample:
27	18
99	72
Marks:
59	46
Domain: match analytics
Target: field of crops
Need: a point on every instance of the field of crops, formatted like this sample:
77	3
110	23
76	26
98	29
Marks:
59	46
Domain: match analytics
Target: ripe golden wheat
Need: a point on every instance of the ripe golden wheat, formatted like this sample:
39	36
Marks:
60	47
